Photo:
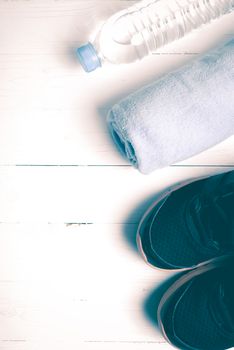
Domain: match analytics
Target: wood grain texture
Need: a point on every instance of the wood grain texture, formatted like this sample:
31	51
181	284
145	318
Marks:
70	276
83	194
76	286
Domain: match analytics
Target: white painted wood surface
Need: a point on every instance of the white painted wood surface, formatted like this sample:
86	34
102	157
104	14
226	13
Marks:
69	204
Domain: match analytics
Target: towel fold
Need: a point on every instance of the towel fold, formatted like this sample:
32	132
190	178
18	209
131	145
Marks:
180	115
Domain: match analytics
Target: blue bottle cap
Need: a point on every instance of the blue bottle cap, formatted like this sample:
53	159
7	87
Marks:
88	57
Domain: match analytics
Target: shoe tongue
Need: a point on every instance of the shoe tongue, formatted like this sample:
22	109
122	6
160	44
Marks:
223	222
211	220
212	229
218	181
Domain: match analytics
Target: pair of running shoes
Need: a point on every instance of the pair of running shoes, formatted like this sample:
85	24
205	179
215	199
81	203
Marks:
191	229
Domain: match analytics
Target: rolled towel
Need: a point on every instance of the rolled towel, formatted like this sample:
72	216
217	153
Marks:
180	115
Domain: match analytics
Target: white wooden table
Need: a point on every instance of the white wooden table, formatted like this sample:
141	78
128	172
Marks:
69	203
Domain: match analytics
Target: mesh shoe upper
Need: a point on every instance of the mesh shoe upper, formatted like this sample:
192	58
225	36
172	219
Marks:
188	229
200	316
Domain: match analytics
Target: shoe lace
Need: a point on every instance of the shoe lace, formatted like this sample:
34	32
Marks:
211	218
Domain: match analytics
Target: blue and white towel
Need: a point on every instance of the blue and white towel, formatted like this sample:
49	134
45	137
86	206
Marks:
180	115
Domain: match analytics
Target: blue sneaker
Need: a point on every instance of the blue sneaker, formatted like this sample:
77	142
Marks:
197	311
189	225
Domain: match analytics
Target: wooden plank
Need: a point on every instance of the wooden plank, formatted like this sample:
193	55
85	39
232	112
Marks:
84	194
76	287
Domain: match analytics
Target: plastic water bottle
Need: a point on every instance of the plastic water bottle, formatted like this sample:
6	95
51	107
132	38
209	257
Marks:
139	30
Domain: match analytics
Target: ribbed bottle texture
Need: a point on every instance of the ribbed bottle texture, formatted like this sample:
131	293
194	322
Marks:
133	33
160	22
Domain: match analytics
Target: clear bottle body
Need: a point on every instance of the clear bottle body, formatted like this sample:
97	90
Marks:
139	30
